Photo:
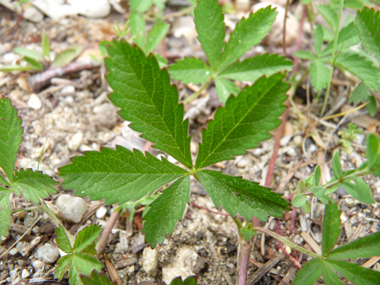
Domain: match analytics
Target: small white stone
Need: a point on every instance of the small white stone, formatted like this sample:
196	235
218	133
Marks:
34	102
47	253
68	89
13	251
291	152
284	141
25	274
37	264
101	212
297	140
150	261
76	141
71	208
21	245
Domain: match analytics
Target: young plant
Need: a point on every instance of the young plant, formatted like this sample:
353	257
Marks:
333	258
348	136
39	61
223	65
363	62
79	255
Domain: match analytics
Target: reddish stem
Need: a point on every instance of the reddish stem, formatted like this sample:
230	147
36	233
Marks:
293	219
107	231
291	258
244	258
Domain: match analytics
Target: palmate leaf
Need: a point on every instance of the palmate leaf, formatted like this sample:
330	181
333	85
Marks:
137	24
319	74
210	28
63	240
5	214
190	70
368	23
309	273
329	275
244	121
165	211
86	237
82	264
33	184
248	32
147	100
10	136
244	197
331	227
253	68
360	67
329	15
117	175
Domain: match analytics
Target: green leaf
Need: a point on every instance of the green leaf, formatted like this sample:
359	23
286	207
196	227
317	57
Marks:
96	279
35	64
319	74
62	265
165	211
86	237
329	276
85	263
318	39
336	166
309	273
360	192
306	207
360	67
355	273
140	5
224	88
137	24
248	32
368	23
155	36
10	136
45	45
329	15
34	184
5	214
331	227
372	149
244	197
253	68
162	62
210	28
328	36
348	36
360	94
117	175
29	53
361	248
304	54
146	98
244	121
10	68
3	181
67	56
191	280
372	106
63	240
247	233
318	191
190	70
317	176
299	200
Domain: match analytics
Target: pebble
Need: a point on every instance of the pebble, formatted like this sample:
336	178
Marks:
13	251
101	212
150	261
25	274
47	253
76	141
68	89
30	219
106	115
297	140
21	245
71	208
37	264
34	102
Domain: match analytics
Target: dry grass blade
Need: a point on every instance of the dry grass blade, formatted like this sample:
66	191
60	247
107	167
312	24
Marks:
265	268
112	271
310	241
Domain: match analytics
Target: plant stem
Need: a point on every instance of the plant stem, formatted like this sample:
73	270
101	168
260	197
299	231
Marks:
245	252
348	177
286	241
101	244
332	58
196	94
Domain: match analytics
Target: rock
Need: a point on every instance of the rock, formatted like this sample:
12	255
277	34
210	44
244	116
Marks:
150	261
101	212
34	102
47	253
275	35
68	89
29	219
62	8
106	115
76	141
71	208
21	245
119	6
26	163
182	266
37	264
13	251
30	12
25	274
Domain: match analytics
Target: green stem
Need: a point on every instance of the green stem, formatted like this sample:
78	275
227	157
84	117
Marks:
332	58
196	94
348	177
286	241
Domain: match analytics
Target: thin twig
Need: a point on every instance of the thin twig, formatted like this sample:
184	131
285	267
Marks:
284	29
107	231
